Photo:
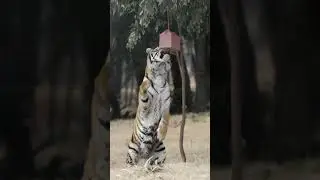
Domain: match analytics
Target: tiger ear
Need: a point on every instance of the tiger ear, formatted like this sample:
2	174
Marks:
148	50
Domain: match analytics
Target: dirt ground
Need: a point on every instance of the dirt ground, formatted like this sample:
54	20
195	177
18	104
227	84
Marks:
196	145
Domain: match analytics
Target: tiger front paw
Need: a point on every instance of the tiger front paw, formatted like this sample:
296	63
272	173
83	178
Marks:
144	87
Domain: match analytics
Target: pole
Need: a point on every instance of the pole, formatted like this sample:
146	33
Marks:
183	81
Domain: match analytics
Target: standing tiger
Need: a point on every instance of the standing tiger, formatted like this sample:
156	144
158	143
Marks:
153	112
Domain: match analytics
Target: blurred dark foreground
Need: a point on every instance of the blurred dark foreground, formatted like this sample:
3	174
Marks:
50	53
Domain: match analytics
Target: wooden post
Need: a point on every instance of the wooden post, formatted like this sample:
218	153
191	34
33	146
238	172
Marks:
183	89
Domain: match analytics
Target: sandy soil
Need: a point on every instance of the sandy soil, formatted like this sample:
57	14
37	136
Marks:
196	145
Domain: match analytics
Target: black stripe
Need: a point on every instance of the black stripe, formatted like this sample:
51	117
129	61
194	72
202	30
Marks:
150	94
136	133
130	157
167	98
141	130
156	52
149	79
165	83
136	151
150	56
159	144
161	149
152	85
154	88
144	129
145	100
138	120
148	133
163	159
147	142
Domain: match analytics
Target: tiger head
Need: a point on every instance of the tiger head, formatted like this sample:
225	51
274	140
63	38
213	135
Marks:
158	64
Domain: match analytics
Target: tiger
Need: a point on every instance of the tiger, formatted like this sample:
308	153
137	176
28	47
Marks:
153	112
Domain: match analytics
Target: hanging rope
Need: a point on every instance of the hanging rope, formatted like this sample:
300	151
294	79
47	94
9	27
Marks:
168	22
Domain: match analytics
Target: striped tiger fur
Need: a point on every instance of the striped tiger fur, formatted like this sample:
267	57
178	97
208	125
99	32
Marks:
153	112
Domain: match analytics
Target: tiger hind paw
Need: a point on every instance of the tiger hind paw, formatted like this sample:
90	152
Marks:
153	164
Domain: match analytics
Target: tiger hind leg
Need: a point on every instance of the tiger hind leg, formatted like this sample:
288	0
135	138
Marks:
132	155
157	159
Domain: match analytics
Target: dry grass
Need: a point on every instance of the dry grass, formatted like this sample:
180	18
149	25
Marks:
196	144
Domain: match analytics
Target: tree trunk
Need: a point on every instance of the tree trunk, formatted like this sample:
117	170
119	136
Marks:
202	79
231	17
189	55
264	75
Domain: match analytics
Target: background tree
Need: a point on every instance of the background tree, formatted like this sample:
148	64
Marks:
148	19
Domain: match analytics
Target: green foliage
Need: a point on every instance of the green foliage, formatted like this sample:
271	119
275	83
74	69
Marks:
188	17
